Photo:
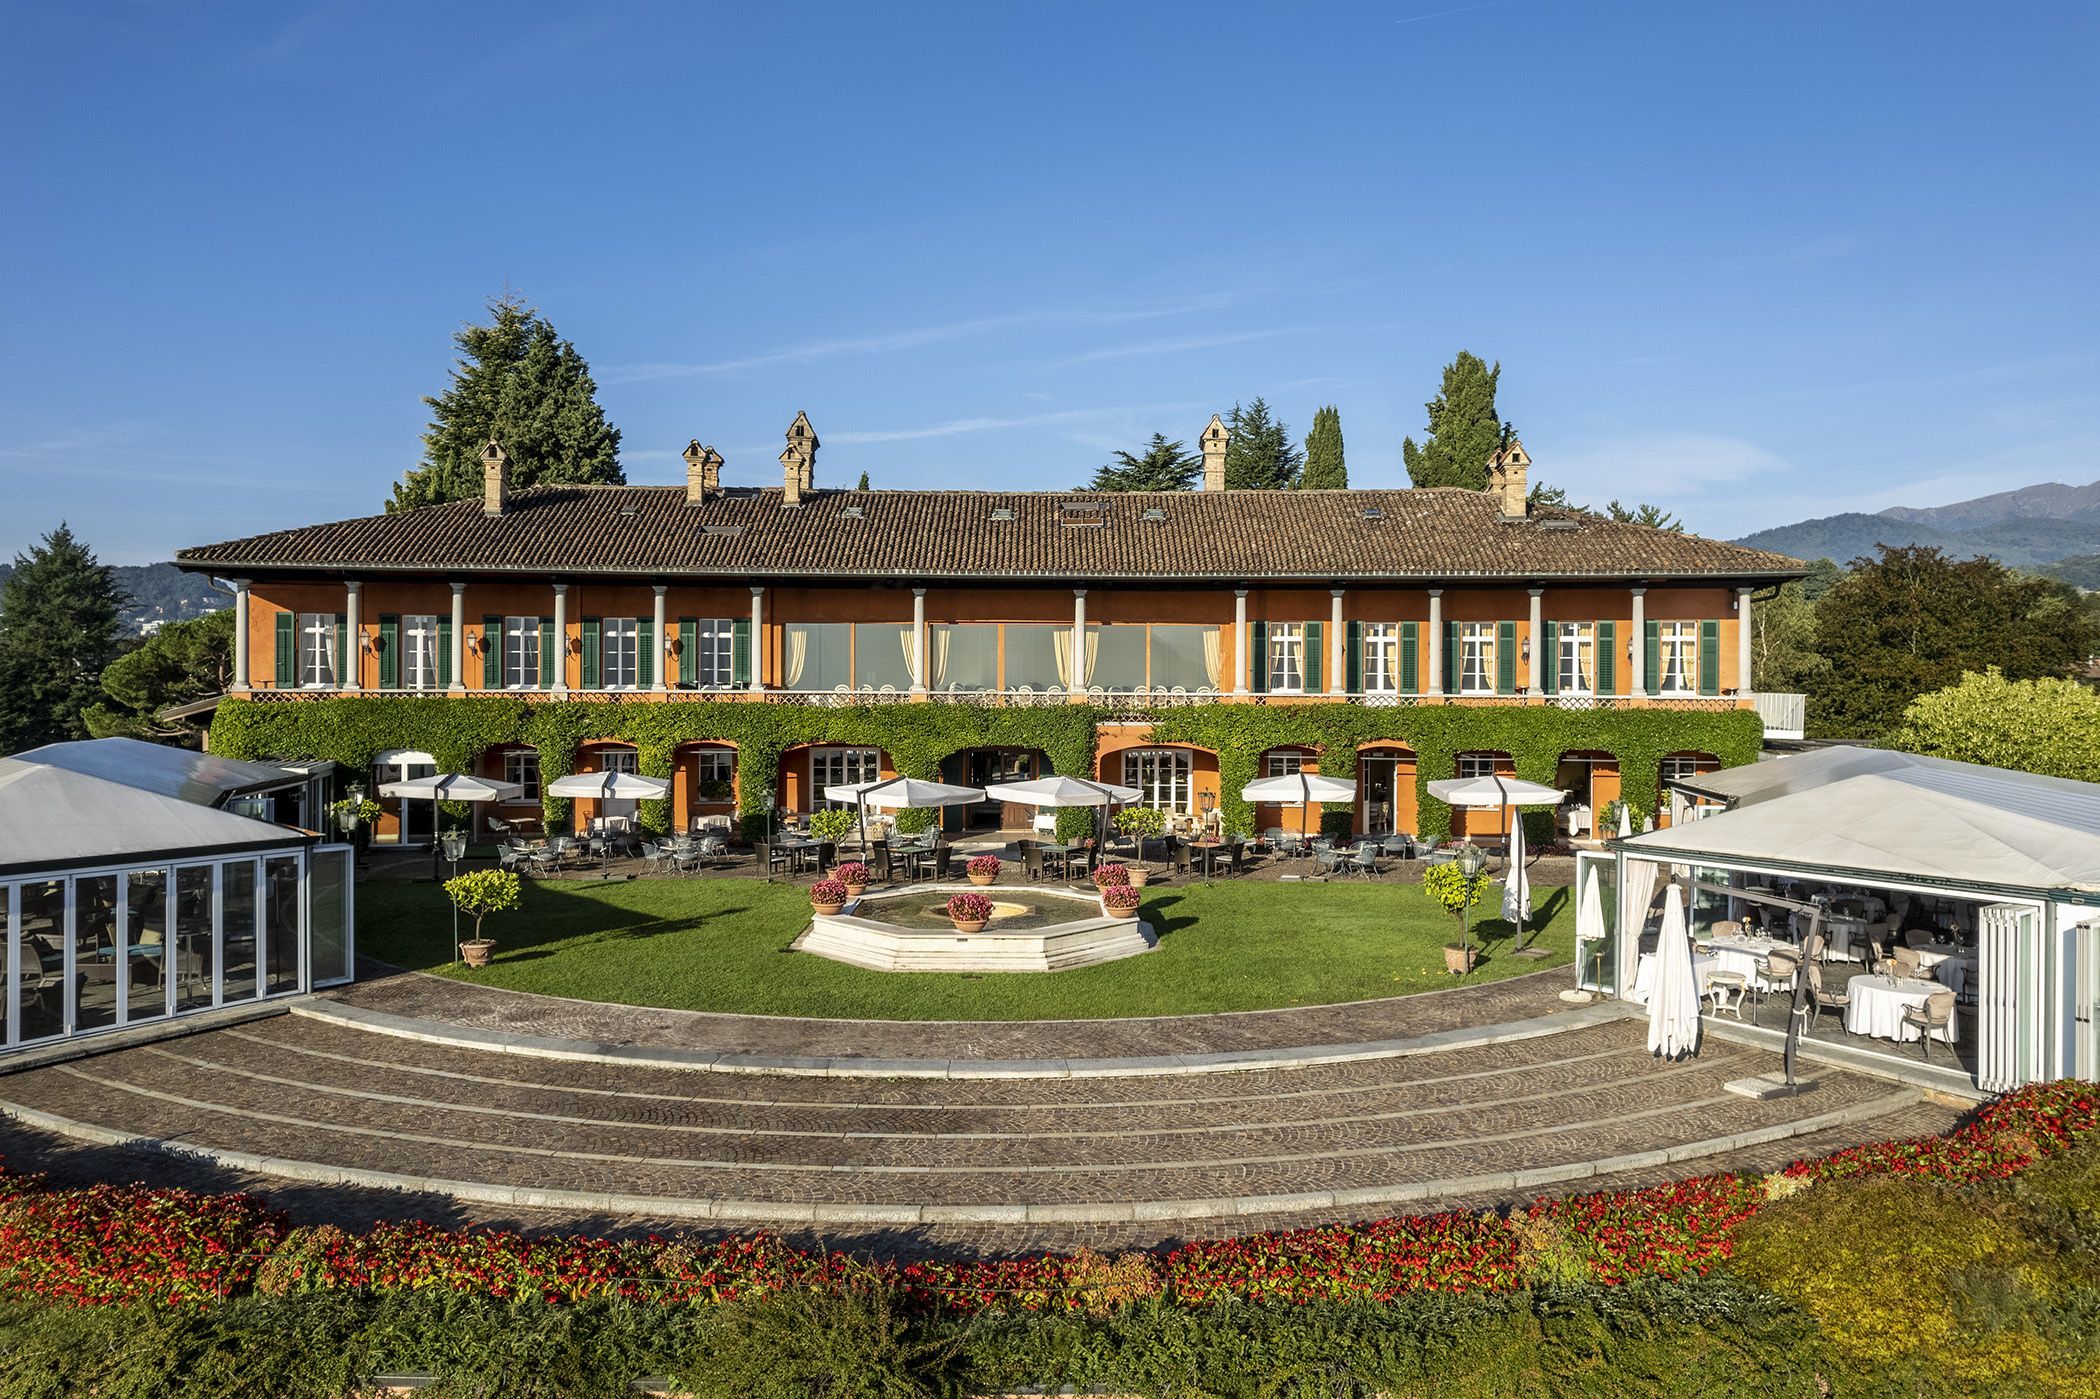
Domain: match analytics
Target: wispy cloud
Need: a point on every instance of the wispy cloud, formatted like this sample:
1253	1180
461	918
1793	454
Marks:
957	427
1461	10
1185	345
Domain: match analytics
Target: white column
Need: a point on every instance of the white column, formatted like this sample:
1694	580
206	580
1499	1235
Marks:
560	660
918	641
1637	660
1337	646
353	648
758	639
240	633
1743	637
660	641
1539	659
1242	652
1435	642
1078	685
459	638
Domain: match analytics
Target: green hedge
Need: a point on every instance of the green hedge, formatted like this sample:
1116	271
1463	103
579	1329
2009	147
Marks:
354	730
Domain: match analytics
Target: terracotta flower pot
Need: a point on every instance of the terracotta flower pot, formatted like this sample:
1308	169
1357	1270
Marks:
1138	875
1460	960
980	880
856	890
826	909
477	950
975	925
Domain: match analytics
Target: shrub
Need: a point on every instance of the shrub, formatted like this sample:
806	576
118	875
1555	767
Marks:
1111	875
1145	822
969	908
853	872
128	1243
828	892
833	823
1120	898
984	865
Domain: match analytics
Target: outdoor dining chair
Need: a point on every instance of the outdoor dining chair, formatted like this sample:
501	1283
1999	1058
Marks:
1832	989
1726	991
1776	971
1365	860
1031	862
1326	860
1905	961
1937	1013
770	859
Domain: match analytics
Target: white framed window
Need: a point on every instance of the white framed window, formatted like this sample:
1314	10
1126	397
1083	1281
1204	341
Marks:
522	766
1477	764
419	653
1476	658
1681	767
521	653
619	653
625	760
1287	658
715	773
1680	657
318	652
1381	668
713	656
1578	658
1285	764
839	767
1162	777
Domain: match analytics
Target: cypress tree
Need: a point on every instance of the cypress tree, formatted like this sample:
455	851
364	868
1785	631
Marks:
58	630
517	381
1464	430
1162	466
1325	469
863	482
1260	455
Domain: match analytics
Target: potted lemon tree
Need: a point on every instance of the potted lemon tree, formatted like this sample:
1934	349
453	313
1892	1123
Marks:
477	894
1458	886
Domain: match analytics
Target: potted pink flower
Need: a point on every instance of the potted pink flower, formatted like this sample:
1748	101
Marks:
969	912
854	875
983	870
1120	901
827	896
1112	876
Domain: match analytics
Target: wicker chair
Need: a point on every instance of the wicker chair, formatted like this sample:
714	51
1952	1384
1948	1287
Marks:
1936	1014
1832	989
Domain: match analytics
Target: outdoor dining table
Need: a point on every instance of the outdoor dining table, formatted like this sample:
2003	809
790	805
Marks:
795	847
1878	1003
1955	973
1741	955
1934	953
1207	854
1703	966
1845	938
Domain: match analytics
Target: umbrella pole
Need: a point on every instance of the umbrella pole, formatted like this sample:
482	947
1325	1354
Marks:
435	876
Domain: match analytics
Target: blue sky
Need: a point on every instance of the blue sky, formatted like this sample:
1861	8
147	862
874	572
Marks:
1754	262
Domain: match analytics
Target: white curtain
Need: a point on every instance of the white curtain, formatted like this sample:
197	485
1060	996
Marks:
1635	895
1213	656
797	655
1062	641
940	636
1093	651
908	636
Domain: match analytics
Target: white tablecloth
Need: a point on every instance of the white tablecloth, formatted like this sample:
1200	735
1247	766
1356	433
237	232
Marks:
1954	973
1878	1003
1741	955
1932	954
1644	978
1843	939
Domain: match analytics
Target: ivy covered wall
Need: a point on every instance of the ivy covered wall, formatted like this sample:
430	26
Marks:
354	730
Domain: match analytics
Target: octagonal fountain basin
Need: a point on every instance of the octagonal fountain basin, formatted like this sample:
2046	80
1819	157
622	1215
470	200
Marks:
1032	930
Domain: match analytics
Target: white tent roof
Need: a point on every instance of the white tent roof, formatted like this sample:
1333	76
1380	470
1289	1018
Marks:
55	818
1806	772
204	778
1929	819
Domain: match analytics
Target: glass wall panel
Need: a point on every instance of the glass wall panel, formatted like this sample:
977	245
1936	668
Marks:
882	655
281	923
1190	657
237	919
41	947
817	655
329	869
1032	651
146	944
95	950
193	949
1117	659
965	657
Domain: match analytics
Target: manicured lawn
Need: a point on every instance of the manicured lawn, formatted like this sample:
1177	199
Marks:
722	944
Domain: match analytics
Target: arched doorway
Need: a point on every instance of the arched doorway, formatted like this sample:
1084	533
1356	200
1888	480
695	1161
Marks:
1385	790
704	787
401	820
806	770
1591	779
1287	761
605	756
518	763
1177	779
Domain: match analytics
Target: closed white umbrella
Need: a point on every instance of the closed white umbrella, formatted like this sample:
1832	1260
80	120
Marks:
1516	885
1673	1004
449	787
1625	820
900	794
609	786
1589	919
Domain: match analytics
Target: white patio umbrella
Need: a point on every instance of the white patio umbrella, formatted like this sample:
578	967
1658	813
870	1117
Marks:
1516	885
900	794
1673	1003
1063	791
449	787
1483	792
1299	789
1625	821
609	786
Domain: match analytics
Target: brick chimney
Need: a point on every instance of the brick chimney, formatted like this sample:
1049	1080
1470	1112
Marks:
1509	479
495	479
703	473
798	463
1214	441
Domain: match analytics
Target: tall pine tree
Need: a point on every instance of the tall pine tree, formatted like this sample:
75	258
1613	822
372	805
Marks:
1464	430
1162	466
1260	456
1324	468
519	382
58	630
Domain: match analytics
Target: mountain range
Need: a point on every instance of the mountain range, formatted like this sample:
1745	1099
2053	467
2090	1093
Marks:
2047	528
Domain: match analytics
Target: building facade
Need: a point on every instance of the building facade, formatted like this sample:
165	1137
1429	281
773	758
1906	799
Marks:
1124	606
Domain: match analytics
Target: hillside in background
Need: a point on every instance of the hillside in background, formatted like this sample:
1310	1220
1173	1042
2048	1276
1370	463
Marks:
2028	528
160	592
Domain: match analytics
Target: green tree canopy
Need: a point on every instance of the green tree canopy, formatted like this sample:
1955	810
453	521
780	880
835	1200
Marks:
58	632
519	382
1162	466
181	662
863	482
1783	654
1914	621
1464	429
2047	726
1325	469
1653	515
1259	454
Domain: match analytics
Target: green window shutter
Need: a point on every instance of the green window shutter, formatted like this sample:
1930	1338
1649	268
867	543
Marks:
742	664
345	649
549	657
389	651
1505	658
1356	658
1410	672
1607	658
1452	652
593	652
1315	653
645	652
491	653
1709	658
287	650
1652	672
1258	656
444	657
1545	661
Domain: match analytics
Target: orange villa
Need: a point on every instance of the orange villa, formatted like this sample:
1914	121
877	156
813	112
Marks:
1131	603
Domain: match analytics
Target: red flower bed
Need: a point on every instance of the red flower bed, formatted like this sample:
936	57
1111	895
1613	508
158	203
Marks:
2003	1138
1670	1230
126	1243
